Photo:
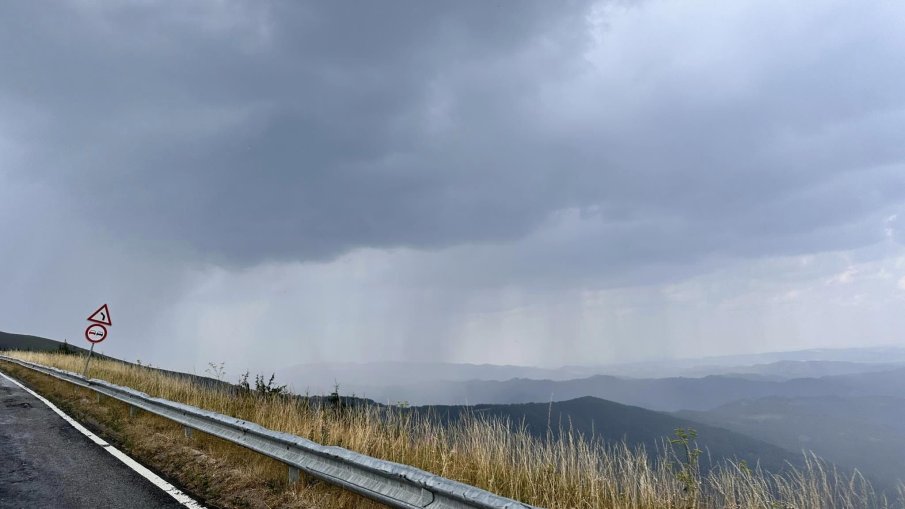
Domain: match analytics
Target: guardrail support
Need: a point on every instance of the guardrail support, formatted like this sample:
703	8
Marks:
293	474
188	431
132	410
97	397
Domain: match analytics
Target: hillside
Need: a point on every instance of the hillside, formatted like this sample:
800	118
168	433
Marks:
615	422
10	341
867	432
26	342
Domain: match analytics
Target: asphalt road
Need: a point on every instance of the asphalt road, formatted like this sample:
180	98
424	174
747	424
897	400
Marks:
46	463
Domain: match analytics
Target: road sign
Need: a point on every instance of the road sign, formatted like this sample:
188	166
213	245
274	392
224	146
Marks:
95	333
101	316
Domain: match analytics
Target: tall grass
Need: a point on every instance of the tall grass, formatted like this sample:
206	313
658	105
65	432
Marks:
572	471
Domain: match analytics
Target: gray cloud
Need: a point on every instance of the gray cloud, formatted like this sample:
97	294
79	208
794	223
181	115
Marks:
301	131
566	145
314	143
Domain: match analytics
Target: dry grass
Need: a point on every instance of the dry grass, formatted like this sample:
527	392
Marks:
572	472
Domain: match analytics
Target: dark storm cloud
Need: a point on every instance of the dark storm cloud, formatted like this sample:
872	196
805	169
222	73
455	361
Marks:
250	132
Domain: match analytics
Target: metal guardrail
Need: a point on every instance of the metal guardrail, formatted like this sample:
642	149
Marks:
396	485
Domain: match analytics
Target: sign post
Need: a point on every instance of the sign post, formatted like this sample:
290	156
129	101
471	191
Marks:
96	332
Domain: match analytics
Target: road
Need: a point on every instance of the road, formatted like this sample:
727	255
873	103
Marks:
46	463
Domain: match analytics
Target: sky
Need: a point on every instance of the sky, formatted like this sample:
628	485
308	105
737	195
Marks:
543	183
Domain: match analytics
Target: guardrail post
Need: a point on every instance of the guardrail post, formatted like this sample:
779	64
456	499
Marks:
293	474
97	397
132	410
188	431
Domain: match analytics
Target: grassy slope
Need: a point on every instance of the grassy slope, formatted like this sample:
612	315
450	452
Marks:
614	422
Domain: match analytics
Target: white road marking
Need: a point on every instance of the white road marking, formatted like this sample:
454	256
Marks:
173	491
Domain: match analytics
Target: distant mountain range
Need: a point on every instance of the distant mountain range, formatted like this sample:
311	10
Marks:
323	376
787	370
363	377
663	394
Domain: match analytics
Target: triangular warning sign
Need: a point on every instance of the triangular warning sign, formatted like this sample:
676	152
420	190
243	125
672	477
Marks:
102	315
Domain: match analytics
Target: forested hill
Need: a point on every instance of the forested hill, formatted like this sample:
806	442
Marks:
615	422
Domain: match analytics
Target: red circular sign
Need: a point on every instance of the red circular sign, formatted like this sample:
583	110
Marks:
95	333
